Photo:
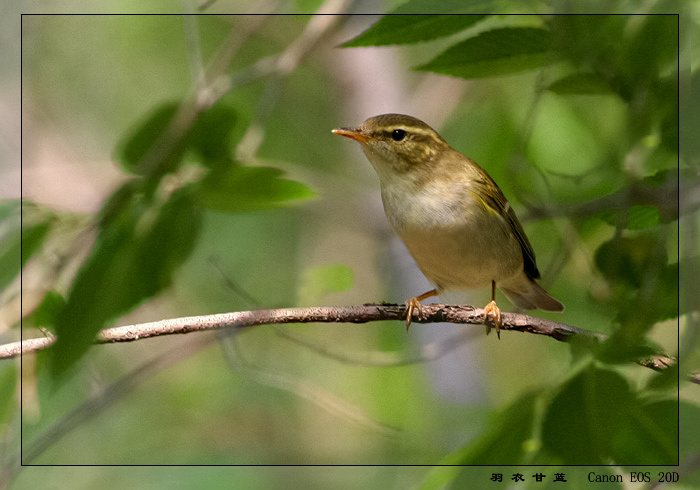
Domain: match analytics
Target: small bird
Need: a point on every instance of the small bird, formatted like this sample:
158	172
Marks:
453	218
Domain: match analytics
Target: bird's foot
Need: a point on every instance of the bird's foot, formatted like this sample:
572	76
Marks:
493	311
414	304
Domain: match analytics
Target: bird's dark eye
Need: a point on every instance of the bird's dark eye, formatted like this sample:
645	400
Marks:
398	134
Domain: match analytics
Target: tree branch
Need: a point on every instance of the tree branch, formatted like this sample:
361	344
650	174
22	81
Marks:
433	313
673	198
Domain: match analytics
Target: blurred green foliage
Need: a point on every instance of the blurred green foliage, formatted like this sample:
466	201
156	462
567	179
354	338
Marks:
606	88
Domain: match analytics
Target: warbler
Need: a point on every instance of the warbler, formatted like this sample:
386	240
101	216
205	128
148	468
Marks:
453	218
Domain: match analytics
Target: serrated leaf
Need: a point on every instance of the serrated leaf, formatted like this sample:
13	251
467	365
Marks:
580	84
583	419
495	53
133	258
242	189
407	29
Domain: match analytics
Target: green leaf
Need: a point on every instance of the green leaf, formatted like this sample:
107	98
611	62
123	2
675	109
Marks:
168	241
505	440
48	310
133	258
407	29
584	418
666	300
627	343
581	84
652	47
11	258
36	221
589	41
211	135
209	138
142	139
629	263
648	435
689	271
33	238
125	195
625	259
241	189
637	217
494	53
21	238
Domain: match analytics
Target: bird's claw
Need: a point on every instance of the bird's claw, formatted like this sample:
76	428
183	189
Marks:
411	305
492	310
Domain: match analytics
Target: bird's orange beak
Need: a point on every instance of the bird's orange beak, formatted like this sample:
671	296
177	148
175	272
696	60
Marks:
352	133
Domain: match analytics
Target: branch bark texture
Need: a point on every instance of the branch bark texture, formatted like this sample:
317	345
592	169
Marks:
434	313
320	314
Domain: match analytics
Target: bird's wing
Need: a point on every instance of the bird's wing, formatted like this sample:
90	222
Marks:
492	196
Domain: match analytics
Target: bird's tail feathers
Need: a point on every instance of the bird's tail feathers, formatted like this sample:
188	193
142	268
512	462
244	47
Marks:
530	296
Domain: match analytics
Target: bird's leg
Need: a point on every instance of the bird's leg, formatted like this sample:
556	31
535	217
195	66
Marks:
414	303
493	310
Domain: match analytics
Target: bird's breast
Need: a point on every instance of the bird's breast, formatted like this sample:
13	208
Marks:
456	243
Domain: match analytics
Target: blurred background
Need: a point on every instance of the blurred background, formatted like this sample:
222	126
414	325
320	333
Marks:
318	393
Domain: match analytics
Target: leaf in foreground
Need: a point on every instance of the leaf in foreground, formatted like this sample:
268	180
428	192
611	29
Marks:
494	53
242	189
133	258
407	29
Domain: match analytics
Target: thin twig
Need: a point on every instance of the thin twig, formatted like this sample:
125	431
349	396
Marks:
323	23
672	198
